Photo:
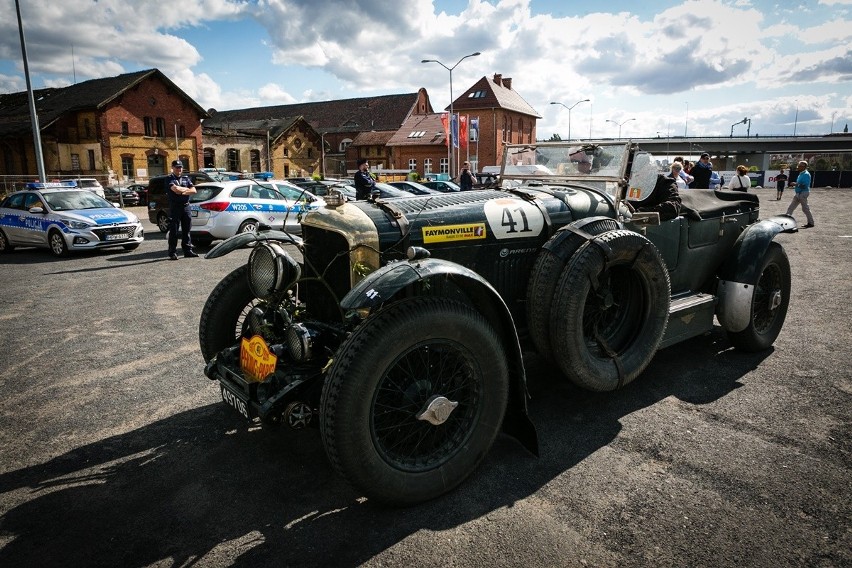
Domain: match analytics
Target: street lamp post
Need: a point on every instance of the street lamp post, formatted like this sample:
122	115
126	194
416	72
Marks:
569	113
743	121
620	124
450	141
796	122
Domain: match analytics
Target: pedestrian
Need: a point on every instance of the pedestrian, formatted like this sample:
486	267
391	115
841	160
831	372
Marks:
780	182
664	199
681	178
180	219
465	177
364	182
701	172
803	190
741	181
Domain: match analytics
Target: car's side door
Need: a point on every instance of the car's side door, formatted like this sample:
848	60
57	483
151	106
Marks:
35	223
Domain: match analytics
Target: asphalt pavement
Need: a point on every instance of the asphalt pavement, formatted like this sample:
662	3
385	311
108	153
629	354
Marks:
117	451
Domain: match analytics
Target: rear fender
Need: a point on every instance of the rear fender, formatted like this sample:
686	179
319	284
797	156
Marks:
740	272
397	278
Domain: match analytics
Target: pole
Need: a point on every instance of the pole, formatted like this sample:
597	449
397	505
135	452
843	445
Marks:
450	152
42	176
686	122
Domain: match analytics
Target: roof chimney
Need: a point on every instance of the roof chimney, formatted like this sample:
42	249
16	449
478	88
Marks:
498	79
507	82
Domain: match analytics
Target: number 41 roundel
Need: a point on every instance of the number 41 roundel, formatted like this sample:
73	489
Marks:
513	218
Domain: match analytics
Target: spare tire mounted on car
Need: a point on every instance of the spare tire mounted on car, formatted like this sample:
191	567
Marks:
611	309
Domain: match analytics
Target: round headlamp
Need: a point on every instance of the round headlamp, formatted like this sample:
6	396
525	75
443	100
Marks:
271	270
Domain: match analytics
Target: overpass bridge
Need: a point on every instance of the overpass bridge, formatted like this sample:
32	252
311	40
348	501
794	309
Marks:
829	156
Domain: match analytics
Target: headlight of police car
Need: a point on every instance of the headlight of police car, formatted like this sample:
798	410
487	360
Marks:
76	224
271	270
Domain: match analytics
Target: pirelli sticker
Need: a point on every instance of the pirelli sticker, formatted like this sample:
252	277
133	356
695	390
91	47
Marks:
447	233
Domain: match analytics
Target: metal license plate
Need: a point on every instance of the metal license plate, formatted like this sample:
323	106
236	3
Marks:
236	401
116	237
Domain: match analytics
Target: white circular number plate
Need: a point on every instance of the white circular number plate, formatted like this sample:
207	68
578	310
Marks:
513	218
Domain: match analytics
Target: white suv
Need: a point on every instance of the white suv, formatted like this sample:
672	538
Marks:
92	185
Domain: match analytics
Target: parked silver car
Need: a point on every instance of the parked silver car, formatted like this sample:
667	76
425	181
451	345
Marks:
62	218
223	209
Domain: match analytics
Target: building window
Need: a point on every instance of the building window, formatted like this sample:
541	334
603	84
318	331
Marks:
127	167
75	162
476	95
125	129
310	152
87	128
344	144
427	166
445	166
412	164
181	131
149	126
234	160
91	154
254	158
286	151
161	127
286	171
209	158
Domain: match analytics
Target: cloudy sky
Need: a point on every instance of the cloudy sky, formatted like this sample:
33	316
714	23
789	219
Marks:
678	67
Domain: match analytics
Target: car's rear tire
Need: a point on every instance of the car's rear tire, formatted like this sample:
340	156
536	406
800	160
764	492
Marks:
249	226
5	246
545	275
56	243
411	355
224	313
163	222
773	287
611	308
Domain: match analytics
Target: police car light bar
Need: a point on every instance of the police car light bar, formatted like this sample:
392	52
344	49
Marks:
51	184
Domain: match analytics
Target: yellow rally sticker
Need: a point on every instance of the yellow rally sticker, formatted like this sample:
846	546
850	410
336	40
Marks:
256	360
446	233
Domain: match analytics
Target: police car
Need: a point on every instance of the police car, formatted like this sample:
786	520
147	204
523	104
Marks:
222	209
62	217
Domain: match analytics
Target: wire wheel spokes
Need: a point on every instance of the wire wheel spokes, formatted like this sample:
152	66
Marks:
766	298
435	368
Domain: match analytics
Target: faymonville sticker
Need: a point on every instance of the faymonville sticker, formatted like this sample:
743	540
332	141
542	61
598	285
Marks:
447	233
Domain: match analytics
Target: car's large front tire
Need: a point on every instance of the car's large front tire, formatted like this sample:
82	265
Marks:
611	309
224	313
769	303
404	366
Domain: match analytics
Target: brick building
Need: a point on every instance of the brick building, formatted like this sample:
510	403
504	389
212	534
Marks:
503	117
117	129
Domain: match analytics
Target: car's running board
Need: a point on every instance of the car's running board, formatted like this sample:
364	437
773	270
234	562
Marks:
689	315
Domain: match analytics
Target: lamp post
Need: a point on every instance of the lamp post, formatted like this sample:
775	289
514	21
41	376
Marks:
796	122
569	113
452	133
620	124
743	121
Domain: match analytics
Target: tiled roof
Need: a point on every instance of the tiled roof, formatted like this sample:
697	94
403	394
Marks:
385	112
52	103
495	92
373	138
409	133
254	127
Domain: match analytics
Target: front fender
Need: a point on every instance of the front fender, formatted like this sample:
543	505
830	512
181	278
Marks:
384	284
241	240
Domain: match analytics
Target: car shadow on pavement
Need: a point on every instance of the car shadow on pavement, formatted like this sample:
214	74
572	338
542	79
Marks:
201	487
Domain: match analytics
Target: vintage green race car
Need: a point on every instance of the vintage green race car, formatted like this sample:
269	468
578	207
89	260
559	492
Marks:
398	326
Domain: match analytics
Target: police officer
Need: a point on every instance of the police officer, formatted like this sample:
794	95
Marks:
180	188
364	182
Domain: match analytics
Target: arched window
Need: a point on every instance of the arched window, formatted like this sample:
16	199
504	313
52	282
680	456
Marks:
344	144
